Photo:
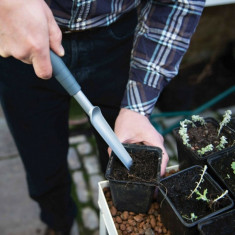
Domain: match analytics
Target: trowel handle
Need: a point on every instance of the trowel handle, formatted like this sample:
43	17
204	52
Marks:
63	75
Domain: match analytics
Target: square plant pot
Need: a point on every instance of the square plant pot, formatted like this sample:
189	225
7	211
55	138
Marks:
105	216
133	190
188	157
221	170
181	213
232	123
223	224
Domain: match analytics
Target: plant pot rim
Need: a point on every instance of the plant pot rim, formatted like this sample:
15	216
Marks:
210	161
215	122
136	147
191	224
201	224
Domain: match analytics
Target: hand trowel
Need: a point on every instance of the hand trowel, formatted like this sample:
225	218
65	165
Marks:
67	80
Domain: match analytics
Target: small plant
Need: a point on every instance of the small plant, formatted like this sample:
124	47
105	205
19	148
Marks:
222	143
225	121
192	217
206	149
203	197
199	182
233	167
197	118
228	176
183	132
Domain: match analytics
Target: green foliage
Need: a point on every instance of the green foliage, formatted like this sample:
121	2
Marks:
183	132
192	217
222	143
202	196
199	182
206	149
225	121
233	167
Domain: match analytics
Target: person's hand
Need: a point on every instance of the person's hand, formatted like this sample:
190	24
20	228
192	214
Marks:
27	31
132	127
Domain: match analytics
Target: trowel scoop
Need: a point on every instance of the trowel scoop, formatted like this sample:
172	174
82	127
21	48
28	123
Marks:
67	80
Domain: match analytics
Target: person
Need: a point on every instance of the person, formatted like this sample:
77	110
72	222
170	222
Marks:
122	53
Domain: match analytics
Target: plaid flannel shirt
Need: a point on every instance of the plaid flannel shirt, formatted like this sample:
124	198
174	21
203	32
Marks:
161	39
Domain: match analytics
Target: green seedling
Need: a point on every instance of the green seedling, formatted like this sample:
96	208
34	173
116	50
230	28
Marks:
233	167
197	118
225	121
199	182
203	197
183	132
206	149
192	217
222	143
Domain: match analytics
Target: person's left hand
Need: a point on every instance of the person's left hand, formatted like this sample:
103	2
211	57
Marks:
132	127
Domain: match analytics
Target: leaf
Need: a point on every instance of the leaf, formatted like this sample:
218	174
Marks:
233	167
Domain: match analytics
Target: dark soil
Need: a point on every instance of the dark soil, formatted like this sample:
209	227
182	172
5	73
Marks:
222	166
202	136
143	168
179	187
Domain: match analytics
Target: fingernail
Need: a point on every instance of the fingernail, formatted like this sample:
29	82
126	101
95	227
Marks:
61	50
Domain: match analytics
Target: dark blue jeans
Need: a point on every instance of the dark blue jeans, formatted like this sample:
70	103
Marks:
37	110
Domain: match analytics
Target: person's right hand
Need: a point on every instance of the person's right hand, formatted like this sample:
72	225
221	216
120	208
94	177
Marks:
27	32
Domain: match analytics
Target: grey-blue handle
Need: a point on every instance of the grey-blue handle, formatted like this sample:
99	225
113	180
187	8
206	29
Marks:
63	75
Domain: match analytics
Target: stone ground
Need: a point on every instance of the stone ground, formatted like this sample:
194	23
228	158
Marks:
19	214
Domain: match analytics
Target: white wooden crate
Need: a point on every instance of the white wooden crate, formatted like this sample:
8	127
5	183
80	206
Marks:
106	221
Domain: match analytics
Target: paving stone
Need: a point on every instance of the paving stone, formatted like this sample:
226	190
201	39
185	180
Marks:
19	214
91	164
81	187
90	218
93	180
84	148
77	139
97	232
73	160
7	144
74	229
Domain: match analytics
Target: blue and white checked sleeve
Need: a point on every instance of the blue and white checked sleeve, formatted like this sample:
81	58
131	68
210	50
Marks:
162	37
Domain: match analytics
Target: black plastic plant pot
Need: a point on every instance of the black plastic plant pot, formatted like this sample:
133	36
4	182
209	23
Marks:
181	213
188	157
222	171
232	123
223	224
133	190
